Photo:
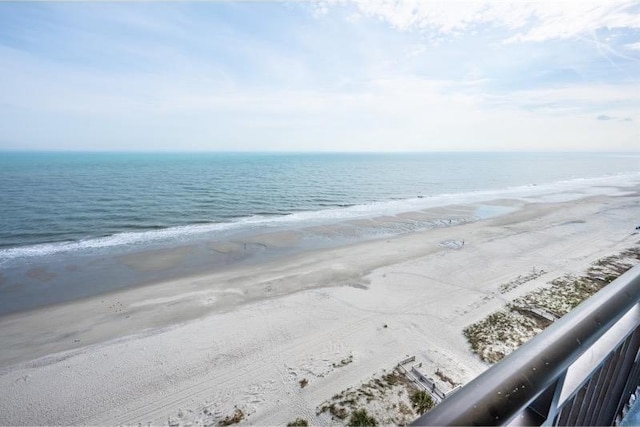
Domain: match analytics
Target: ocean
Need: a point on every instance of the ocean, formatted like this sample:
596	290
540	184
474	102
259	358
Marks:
63	212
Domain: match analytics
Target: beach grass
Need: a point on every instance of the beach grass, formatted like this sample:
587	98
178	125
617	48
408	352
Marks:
497	335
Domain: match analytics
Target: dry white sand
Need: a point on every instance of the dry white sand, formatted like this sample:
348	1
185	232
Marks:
192	350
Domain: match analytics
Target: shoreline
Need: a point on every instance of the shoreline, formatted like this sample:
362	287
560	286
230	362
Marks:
32	282
246	336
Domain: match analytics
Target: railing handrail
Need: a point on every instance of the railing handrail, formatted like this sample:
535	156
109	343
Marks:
508	387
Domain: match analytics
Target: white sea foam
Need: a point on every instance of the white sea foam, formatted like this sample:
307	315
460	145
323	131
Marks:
555	192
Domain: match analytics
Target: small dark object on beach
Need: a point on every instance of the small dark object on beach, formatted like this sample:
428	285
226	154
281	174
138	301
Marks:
303	383
237	416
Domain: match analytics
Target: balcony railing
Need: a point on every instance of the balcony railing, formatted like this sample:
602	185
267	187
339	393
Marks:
581	370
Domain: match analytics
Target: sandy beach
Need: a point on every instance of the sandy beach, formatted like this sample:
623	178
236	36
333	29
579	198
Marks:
195	349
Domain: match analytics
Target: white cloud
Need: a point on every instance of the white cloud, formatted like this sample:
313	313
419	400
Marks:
382	114
336	86
535	20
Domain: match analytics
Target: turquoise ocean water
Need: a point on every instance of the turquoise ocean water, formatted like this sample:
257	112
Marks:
49	200
56	206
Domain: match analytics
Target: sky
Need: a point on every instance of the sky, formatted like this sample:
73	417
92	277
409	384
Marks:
339	75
